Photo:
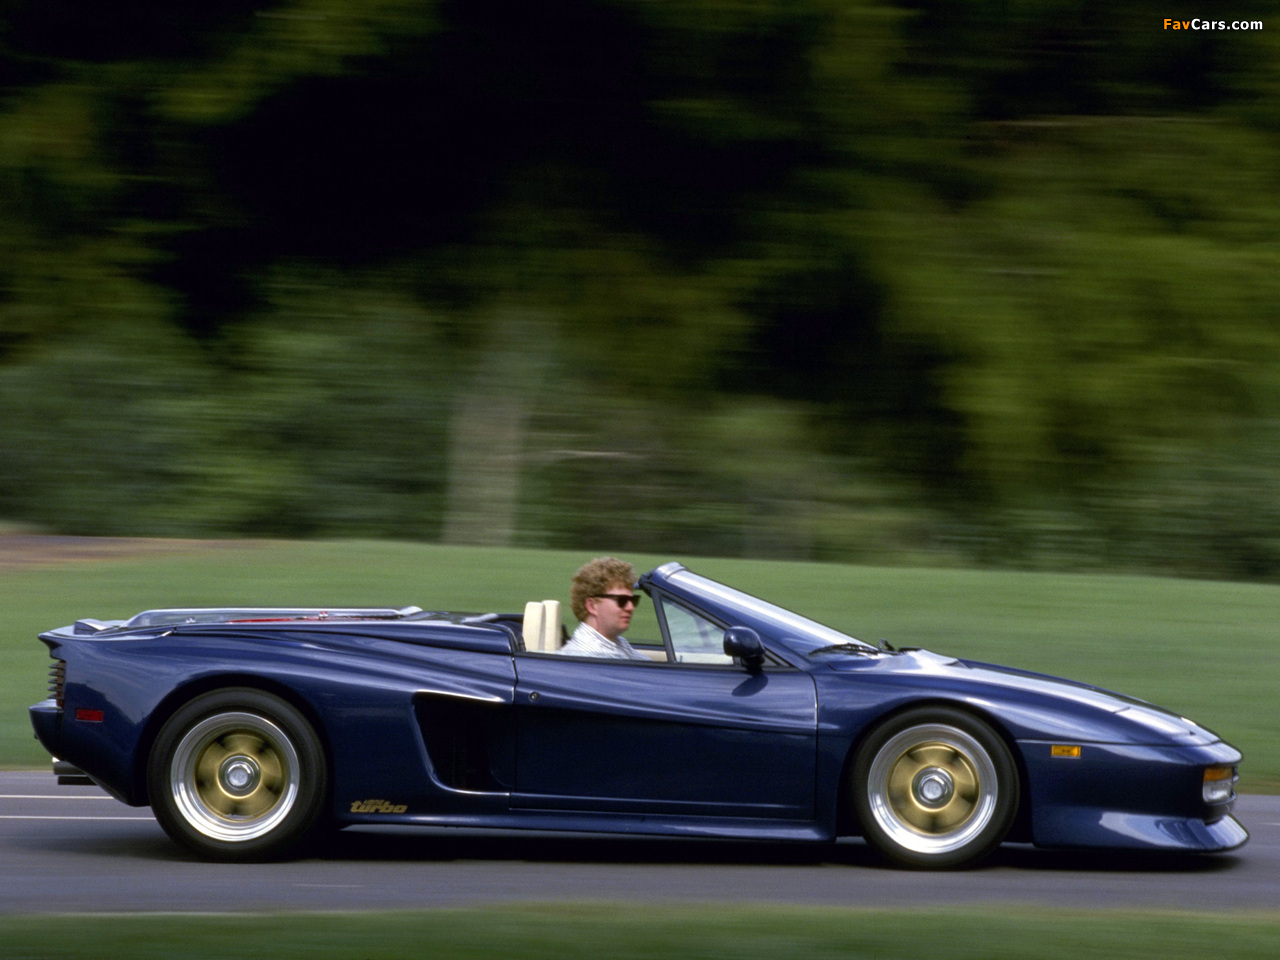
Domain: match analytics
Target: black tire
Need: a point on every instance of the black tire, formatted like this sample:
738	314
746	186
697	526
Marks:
936	788
237	774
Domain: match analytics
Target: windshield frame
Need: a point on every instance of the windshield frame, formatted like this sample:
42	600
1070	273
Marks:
799	634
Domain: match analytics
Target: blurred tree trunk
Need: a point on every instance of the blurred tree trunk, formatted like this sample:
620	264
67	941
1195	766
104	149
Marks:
488	430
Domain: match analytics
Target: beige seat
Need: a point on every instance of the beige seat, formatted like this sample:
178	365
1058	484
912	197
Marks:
542	633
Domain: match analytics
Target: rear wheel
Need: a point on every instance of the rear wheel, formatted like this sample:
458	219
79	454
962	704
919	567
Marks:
935	787
237	774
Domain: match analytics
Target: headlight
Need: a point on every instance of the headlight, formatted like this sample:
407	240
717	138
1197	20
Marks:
1219	784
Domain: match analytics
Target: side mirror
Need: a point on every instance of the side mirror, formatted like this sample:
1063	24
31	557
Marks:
743	644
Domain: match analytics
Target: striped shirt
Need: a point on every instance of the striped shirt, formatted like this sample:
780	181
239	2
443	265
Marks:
589	642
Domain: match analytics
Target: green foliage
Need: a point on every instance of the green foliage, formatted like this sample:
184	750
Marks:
943	281
1107	313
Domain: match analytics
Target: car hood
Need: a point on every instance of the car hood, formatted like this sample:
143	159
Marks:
1061	707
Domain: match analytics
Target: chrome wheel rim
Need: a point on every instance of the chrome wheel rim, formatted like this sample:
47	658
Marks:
932	789
234	776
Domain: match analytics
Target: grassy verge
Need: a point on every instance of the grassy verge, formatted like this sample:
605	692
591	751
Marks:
1203	649
592	931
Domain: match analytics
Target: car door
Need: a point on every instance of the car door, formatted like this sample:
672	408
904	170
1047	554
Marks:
699	736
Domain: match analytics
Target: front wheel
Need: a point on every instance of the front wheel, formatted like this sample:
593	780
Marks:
237	774
935	787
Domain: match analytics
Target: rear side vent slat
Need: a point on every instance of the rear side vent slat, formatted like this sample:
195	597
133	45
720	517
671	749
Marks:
58	682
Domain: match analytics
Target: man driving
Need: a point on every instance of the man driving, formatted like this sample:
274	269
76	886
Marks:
603	600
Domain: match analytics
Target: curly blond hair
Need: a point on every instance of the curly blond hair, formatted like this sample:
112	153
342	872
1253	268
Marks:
595	578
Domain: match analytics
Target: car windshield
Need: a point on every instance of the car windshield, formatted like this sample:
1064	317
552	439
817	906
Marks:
799	633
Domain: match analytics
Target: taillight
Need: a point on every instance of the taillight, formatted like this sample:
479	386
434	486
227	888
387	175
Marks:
58	682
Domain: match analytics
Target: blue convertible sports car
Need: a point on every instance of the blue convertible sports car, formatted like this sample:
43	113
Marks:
249	730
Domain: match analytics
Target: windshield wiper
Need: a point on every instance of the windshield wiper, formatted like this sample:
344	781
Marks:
847	648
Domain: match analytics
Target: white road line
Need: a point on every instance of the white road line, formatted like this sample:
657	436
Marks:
332	886
53	796
7	816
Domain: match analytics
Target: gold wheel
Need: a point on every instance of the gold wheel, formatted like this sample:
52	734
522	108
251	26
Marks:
935	788
234	776
238	774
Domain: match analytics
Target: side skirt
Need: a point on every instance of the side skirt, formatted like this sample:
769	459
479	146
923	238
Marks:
626	824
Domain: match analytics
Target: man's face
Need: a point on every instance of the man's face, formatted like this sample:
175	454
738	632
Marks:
611	617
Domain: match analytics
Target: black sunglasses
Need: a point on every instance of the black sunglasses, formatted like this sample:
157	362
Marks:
621	599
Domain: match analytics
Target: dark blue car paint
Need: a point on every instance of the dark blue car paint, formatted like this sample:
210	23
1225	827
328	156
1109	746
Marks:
645	738
633	747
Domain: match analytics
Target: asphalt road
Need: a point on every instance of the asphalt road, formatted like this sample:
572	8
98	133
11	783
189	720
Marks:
74	849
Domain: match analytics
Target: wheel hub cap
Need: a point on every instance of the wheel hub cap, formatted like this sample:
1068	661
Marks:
933	788
239	776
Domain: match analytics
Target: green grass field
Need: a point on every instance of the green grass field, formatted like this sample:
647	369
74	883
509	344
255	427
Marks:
591	931
1203	649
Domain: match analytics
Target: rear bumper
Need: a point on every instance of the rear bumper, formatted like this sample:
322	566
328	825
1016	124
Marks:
46	719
